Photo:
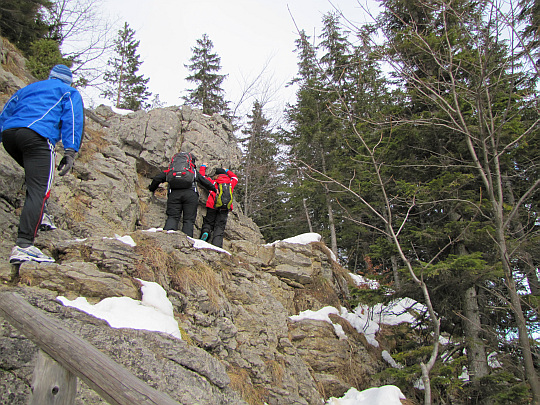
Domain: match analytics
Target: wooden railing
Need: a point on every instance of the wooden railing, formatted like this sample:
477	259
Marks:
64	357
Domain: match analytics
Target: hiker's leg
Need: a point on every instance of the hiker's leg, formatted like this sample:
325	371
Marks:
174	210
208	221
190	203
219	227
38	160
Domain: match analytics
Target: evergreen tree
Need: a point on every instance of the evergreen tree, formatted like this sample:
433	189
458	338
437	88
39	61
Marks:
260	173
44	55
22	21
530	16
317	133
306	196
124	87
468	114
208	94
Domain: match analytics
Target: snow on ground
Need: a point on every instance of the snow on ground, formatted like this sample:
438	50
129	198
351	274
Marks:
201	244
303	239
128	240
154	312
322	315
385	395
197	243
361	281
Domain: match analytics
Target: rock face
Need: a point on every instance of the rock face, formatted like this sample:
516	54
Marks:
239	345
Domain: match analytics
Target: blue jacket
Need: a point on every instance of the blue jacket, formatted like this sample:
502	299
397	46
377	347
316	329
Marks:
49	107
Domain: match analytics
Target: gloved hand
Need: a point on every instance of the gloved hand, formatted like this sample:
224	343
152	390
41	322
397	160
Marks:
67	162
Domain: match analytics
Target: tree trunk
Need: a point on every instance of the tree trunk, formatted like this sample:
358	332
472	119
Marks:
526	257
247	178
120	80
331	221
515	304
395	273
307	215
472	327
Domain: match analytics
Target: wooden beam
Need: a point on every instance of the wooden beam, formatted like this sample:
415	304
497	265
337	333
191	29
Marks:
113	382
52	384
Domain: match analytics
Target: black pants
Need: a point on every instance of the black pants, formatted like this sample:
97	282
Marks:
214	223
181	203
36	155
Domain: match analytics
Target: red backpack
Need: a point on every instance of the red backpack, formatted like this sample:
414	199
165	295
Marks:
181	171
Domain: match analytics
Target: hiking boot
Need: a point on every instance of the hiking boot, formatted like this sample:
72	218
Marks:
46	223
204	236
30	253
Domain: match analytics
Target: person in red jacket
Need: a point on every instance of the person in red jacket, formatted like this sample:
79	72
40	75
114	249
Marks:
218	205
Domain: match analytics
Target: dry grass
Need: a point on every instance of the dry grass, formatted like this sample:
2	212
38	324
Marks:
155	264
241	383
277	371
77	206
92	144
185	337
181	278
321	290
184	278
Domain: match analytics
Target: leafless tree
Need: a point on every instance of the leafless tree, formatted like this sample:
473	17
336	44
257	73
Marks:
85	36
487	142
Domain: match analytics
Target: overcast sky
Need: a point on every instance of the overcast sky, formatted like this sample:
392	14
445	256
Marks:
247	35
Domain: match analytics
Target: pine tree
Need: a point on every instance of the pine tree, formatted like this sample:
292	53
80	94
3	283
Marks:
317	133
124	87
44	54
261	177
470	121
306	199
22	21
208	94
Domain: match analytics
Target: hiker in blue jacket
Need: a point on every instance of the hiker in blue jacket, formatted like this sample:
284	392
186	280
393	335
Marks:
33	120
182	202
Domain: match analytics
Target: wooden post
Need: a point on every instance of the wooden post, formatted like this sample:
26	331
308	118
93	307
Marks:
52	384
113	382
14	276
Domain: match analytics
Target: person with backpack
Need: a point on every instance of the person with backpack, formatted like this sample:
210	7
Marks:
182	195
32	121
218	205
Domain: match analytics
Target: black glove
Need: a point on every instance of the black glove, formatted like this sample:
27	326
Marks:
67	162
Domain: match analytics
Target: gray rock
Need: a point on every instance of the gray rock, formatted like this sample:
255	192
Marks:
232	308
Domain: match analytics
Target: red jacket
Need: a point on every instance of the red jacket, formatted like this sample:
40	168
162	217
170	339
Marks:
212	196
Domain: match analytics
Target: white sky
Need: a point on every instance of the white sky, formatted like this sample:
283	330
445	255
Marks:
155	313
247	35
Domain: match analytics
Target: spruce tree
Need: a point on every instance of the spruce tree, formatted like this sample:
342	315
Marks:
124	87
317	134
465	132
205	66
261	178
305	199
22	21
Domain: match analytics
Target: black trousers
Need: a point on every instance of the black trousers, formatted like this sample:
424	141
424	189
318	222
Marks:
214	223
181	203
36	155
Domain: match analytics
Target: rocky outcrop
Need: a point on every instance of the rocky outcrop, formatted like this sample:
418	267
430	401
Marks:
233	307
